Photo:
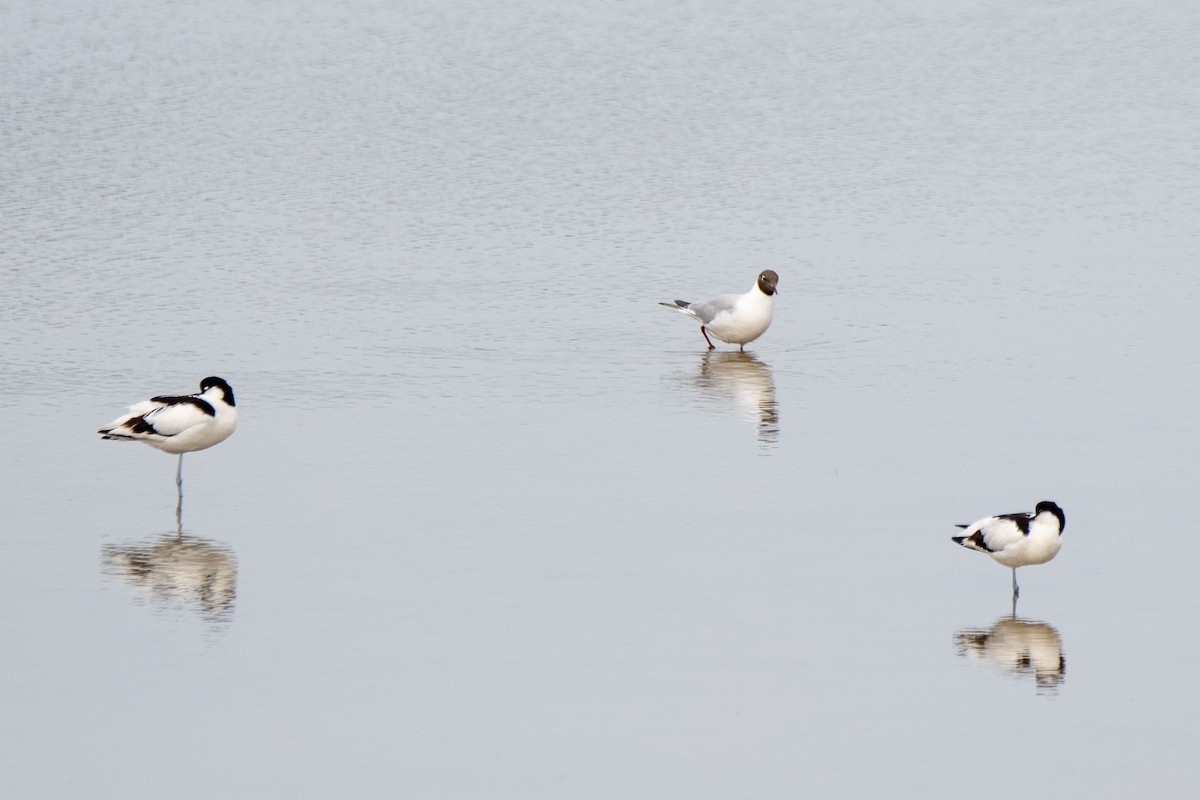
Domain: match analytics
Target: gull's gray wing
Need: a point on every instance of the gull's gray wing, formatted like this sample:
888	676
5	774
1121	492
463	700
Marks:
706	312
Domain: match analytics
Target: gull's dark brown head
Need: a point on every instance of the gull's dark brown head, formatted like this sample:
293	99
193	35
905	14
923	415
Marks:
767	281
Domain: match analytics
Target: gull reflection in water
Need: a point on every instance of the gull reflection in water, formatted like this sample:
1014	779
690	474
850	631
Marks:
732	376
179	570
1020	647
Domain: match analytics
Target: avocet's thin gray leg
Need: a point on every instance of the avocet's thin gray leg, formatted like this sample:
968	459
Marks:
179	497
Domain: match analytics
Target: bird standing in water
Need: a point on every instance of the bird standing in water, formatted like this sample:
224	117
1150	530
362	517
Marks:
179	423
1017	540
735	318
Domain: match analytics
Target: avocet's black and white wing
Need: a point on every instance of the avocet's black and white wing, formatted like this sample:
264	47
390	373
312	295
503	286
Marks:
160	419
995	534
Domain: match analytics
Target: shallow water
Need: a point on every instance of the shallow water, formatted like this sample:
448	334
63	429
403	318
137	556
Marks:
496	524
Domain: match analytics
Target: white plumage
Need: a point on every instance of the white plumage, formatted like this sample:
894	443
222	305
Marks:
1017	540
735	318
179	423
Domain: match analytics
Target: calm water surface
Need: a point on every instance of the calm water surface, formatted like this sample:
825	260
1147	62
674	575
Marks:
494	524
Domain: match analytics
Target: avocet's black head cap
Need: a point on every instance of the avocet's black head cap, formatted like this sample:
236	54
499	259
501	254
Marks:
767	281
1053	508
220	383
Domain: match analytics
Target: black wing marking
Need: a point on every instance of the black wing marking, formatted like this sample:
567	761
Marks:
178	400
139	425
975	541
1021	519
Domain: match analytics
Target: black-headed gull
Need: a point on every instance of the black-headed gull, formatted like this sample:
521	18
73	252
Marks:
1018	540
179	423
735	318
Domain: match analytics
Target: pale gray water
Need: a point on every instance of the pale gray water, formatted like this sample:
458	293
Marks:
494	524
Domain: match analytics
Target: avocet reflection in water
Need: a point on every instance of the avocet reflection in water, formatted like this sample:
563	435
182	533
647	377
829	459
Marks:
733	377
1020	647
179	570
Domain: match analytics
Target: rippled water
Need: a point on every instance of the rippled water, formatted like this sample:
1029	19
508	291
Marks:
494	524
